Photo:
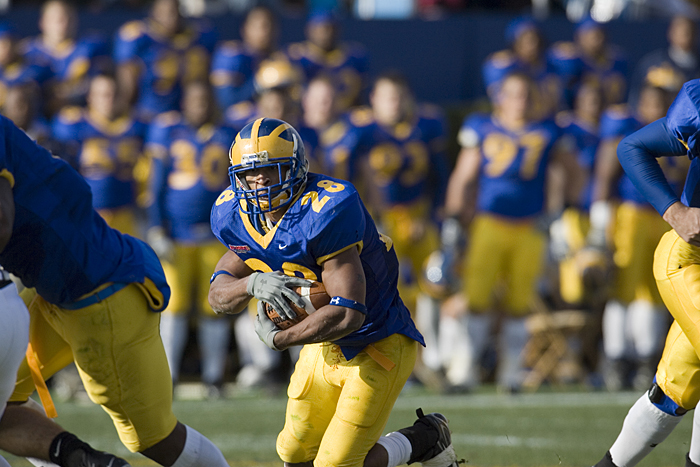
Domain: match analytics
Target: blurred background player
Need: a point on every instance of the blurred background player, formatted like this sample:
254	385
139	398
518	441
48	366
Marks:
20	107
497	193
235	63
105	142
16	69
157	56
670	67
634	321
525	55
189	168
71	59
590	57
322	52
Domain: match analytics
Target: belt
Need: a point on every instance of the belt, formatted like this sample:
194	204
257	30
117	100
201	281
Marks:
94	298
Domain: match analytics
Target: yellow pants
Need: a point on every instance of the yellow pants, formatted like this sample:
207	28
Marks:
503	250
189	274
414	237
677	273
116	346
570	281
121	219
637	232
337	409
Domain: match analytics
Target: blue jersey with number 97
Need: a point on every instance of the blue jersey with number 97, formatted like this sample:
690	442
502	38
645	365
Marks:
326	219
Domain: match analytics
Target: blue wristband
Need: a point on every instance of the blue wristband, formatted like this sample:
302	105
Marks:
218	273
347	303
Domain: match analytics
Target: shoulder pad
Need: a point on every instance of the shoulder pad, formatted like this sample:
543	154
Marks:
70	115
166	119
501	59
131	30
362	117
564	118
334	133
565	50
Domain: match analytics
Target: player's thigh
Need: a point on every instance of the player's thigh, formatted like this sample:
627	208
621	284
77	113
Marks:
181	277
678	373
51	348
367	398
630	257
310	407
208	255
677	273
121	360
524	269
488	248
14	336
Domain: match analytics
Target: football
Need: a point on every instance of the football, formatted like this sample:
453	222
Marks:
314	297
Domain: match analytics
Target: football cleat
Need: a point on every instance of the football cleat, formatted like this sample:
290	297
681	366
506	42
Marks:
88	457
439	453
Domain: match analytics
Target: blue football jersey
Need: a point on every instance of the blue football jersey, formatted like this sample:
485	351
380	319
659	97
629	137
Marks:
233	68
327	218
513	164
59	244
105	153
164	64
188	171
22	72
683	120
406	162
347	65
585	141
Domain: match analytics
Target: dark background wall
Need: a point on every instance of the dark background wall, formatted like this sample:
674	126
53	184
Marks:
442	59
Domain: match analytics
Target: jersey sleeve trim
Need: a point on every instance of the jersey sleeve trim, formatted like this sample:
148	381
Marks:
7	175
325	258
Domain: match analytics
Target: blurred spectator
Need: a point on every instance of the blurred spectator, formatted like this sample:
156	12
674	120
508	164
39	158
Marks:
525	55
157	56
20	106
189	169
497	192
235	63
669	68
320	113
105	142
71	60
634	321
322	52
590	58
15	70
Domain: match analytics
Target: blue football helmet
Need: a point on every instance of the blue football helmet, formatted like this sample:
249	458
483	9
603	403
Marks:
267	142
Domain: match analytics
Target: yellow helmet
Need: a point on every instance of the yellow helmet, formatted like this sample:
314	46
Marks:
267	142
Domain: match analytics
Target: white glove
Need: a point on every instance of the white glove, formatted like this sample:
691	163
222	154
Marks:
161	244
265	328
600	215
275	288
558	246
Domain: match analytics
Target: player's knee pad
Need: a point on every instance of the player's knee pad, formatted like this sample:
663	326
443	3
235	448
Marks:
663	402
291	450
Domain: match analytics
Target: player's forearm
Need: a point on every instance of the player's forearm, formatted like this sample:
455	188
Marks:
637	154
228	295
327	324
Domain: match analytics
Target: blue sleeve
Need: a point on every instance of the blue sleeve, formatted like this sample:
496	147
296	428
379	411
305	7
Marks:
157	177
638	153
683	119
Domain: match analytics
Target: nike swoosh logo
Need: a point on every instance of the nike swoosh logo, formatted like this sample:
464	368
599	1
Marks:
58	448
281	247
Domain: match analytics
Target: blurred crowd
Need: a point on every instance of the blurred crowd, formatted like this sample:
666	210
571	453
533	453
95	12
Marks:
529	262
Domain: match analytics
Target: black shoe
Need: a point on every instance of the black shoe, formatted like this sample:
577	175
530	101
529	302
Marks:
88	457
606	461
431	441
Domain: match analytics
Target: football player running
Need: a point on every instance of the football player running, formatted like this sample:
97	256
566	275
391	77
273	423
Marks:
93	296
285	227
676	270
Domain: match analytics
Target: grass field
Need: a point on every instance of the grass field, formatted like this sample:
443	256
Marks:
542	429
